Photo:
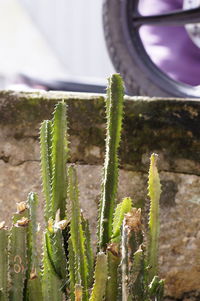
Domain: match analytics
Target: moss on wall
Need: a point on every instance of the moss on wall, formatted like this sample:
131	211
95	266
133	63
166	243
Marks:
167	126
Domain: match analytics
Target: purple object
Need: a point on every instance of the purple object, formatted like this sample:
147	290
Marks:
170	47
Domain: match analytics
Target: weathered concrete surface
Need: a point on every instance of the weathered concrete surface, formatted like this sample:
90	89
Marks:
169	127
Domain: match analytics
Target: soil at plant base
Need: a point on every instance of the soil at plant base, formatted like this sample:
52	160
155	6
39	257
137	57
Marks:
191	296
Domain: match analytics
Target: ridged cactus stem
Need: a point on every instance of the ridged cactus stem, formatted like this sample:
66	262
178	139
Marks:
156	289
154	189
125	263
100	278
59	159
3	262
32	202
34	285
77	234
71	268
51	283
114	258
89	251
55	249
54	154
18	259
46	164
114	112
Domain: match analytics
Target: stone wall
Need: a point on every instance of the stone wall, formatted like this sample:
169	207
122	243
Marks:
169	127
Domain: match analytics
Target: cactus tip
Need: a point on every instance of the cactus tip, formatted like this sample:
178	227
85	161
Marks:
21	207
2	225
23	222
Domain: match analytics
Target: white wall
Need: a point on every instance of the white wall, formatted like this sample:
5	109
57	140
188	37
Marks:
74	30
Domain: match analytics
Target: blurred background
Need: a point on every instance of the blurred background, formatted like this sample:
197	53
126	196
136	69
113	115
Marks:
52	40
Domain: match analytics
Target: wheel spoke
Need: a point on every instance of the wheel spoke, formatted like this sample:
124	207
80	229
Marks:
177	17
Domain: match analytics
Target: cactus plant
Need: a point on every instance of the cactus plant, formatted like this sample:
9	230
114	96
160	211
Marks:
123	269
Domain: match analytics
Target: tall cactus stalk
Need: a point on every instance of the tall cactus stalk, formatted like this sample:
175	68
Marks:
18	259
59	159
100	278
51	283
114	259
46	165
34	286
72	266
114	112
134	282
77	234
113	249
54	154
88	249
3	262
154	189
55	250
125	263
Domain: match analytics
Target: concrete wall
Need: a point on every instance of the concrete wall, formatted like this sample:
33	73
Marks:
169	127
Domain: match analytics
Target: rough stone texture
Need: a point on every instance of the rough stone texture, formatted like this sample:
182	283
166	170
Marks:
168	126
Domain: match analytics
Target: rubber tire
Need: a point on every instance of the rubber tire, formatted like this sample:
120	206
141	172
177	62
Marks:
138	81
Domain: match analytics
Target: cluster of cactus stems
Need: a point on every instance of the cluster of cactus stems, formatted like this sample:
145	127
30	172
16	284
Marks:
122	268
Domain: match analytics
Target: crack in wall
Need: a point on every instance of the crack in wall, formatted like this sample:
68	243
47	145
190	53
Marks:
7	159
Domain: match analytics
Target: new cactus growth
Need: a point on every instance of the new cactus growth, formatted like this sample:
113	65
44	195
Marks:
122	269
154	194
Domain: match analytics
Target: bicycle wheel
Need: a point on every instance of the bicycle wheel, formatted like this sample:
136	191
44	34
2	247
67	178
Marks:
122	22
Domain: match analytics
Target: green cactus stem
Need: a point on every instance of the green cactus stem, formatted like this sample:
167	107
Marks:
3	262
125	263
46	165
18	259
54	154
114	259
77	234
59	159
100	278
72	265
138	276
114	112
34	286
124	207
51	283
154	189
113	249
88	249
156	289
55	249
134	280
